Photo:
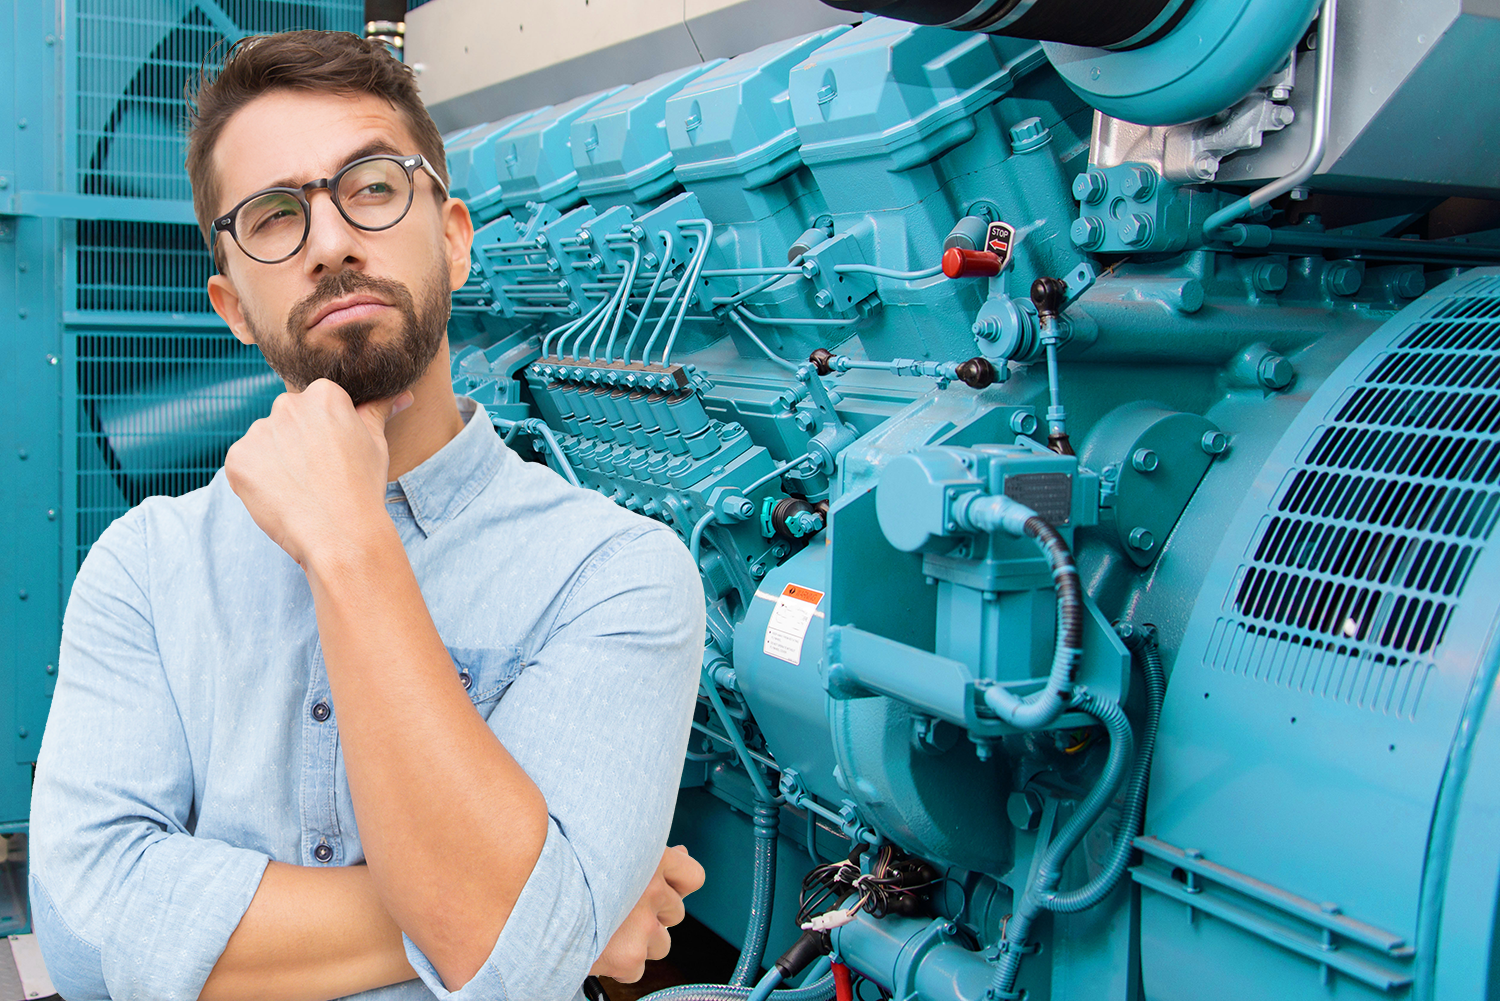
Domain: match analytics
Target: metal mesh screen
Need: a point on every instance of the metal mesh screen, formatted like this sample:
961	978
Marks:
1357	571
162	391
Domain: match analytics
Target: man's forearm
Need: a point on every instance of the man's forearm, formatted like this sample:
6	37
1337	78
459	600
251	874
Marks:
310	935
450	824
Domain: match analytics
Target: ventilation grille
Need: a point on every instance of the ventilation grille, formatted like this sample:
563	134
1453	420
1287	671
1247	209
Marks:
136	267
1358	569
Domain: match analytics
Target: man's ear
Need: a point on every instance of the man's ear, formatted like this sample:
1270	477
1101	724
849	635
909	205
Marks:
458	237
226	302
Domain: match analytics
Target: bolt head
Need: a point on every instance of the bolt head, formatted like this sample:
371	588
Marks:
1275	372
1087	232
1022	422
1410	284
1028	134
1142	539
1144	460
1024	810
1215	442
823	298
1269	276
1090	187
1138	183
1344	278
1135	230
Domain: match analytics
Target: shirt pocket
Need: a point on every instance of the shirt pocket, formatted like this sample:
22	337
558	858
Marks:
486	672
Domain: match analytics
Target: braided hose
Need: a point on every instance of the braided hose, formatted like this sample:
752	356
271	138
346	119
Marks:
821	989
1099	887
1044	884
762	896
988	513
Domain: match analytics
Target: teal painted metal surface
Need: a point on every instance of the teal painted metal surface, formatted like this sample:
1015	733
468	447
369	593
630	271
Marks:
712	296
118	380
1216	55
742	360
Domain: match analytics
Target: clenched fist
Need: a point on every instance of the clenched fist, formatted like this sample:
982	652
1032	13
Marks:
644	933
314	471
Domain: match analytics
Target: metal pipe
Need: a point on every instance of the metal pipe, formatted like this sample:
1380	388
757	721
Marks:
1314	159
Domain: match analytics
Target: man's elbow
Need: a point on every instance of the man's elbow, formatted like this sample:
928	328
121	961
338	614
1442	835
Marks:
75	967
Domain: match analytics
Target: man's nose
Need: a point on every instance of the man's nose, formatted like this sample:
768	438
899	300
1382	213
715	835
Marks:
332	243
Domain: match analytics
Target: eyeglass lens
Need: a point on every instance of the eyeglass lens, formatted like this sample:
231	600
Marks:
373	194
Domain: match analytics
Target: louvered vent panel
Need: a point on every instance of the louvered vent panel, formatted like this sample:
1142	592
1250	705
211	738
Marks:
1357	570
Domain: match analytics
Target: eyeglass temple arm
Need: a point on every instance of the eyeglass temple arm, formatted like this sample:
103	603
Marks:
434	175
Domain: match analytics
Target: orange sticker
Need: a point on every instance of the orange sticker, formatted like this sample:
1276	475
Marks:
801	593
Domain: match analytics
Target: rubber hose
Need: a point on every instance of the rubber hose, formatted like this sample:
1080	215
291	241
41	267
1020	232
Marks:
821	989
762	896
1099	887
1121	749
1041	709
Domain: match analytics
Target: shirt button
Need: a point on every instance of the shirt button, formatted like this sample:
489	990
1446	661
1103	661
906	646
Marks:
466	679
323	853
321	712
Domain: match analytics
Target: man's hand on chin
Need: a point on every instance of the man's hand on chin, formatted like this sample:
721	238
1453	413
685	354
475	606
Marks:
644	935
314	471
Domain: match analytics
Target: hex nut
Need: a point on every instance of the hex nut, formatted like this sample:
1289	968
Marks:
1022	422
1144	460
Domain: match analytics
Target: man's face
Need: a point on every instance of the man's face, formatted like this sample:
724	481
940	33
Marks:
368	310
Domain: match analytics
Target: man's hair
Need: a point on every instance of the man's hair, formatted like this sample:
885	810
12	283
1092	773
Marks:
323	62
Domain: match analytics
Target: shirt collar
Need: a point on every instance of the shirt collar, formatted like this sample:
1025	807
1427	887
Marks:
441	487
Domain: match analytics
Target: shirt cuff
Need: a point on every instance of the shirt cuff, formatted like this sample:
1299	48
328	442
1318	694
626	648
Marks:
548	943
184	900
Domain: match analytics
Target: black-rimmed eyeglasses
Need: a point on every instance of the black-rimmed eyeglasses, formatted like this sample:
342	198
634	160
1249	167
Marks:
372	193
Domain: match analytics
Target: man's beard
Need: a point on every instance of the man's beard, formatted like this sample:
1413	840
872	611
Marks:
366	371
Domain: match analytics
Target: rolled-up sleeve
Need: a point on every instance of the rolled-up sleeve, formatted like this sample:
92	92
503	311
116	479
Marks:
128	904
599	719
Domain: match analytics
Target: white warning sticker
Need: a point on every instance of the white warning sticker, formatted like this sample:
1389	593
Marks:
795	608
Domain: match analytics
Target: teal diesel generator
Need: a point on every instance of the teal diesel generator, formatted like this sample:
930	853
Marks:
1085	417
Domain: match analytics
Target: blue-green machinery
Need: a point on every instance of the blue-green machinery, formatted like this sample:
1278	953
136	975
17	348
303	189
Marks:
1253	395
119	382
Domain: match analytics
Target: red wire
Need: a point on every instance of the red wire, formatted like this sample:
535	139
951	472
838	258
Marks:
843	990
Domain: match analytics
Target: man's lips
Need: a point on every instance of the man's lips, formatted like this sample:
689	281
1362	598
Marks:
346	308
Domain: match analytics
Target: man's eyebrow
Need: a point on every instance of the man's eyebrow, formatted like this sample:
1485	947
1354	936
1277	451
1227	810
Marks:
375	146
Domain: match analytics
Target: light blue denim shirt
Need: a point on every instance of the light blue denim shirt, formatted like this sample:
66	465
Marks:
193	736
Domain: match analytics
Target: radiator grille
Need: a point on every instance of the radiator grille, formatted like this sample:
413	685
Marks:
1355	573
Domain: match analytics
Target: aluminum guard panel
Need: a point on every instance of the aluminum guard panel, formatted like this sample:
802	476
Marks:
1316	693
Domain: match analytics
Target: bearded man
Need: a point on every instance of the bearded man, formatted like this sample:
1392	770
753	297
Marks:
383	710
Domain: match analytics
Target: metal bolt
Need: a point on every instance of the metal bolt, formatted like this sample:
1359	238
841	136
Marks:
1300	194
823	298
1090	187
1022	422
1275	372
1087	232
1144	460
1269	276
758	571
1024	809
1206	168
1135	230
1215	442
1142	539
1139	183
1410	284
1344	278
744	508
